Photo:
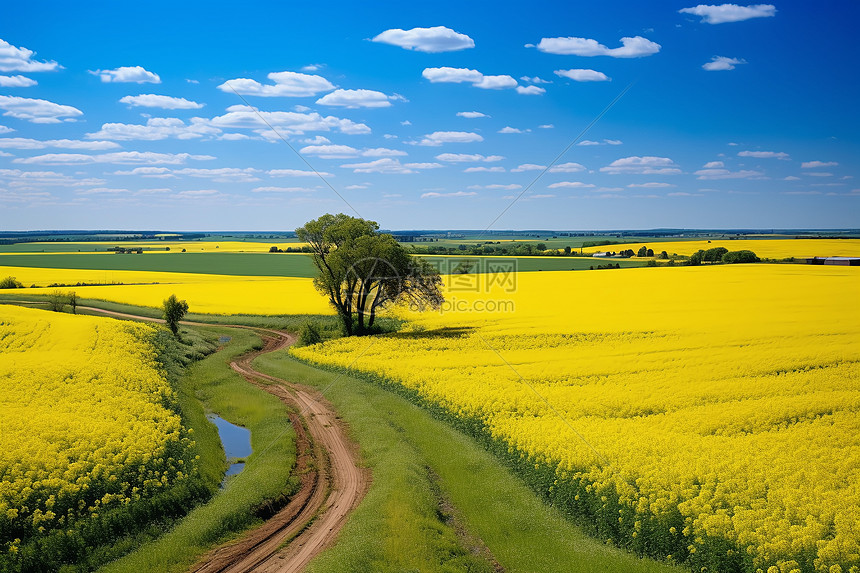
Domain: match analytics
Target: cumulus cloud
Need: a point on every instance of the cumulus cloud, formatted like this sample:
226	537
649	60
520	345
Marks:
571	185
431	40
343	151
358	98
497	186
528	167
815	164
37	110
286	84
586	142
721	63
566	168
437	138
221	174
710	174
714	165
635	47
509	129
530	90
296	173
471	114
388	165
128	74
120	157
484	170
24	143
583	75
152	172
651	185
36	179
465	75
16	82
14	59
546	126
534	80
162	101
436	195
765	155
286	122
157	128
467	158
270	189
647	165
730	12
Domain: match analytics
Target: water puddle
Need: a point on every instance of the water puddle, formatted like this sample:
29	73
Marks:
236	441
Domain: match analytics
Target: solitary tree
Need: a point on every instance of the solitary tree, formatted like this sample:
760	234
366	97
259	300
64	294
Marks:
57	300
362	271
174	310
73	301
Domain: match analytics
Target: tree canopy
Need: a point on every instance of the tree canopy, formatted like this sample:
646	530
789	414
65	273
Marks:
174	311
362	271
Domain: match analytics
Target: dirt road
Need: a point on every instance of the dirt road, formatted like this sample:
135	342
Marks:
332	484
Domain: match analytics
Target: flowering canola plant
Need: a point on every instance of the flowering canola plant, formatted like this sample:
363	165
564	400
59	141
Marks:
706	415
765	248
88	423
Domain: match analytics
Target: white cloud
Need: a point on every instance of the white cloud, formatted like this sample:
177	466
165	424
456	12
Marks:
714	165
730	12
406	122
467	158
791	178
534	80
389	136
354	99
815	164
286	84
157	128
818	174
435	195
471	114
530	90
484	170
162	101
496	82
382	152
587	142
465	75
583	75
286	122
541	196
509	129
37	110
296	173
710	174
270	189
765	154
222	174
316	140
16	82
567	168
613	142
721	63
152	172
312	67
388	165
647	165
652	185
437	138
128	74
4	129
146	157
13	59
571	185
36	179
546	126
330	151
432	40
635	47
343	151
528	167
355	187
24	143
496	186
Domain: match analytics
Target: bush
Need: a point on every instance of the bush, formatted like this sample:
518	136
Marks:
733	257
10	282
714	255
309	334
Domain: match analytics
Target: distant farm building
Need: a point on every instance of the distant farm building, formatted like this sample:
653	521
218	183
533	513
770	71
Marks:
840	261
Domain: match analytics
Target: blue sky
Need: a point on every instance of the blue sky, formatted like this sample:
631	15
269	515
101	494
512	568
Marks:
427	115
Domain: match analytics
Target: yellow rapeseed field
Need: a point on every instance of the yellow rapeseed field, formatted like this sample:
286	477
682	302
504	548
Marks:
88	422
708	415
161	246
212	294
764	248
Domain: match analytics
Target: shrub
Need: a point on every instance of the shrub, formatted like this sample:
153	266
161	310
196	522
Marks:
733	257
10	282
309	334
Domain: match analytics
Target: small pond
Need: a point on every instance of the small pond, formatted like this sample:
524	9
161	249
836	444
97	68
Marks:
236	441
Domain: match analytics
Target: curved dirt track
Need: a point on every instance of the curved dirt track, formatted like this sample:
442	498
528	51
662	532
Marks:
332	484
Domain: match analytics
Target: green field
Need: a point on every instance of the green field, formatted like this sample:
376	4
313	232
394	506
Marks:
267	264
